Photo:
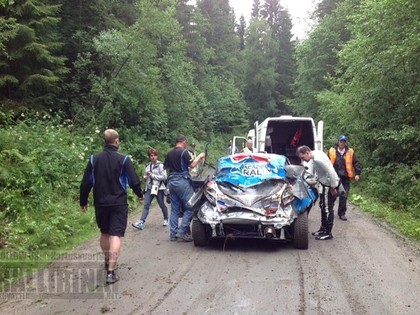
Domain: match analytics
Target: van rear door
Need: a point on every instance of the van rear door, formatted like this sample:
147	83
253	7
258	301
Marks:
238	144
319	142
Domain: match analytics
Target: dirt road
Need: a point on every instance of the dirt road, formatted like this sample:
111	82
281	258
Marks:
365	269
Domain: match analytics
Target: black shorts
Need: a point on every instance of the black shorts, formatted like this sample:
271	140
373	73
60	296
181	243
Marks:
112	220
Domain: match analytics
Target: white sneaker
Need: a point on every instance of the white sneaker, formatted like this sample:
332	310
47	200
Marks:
138	225
165	222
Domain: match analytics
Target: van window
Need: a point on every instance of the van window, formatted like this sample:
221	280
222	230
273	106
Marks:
285	136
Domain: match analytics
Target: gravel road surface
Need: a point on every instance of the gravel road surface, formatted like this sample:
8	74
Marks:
366	269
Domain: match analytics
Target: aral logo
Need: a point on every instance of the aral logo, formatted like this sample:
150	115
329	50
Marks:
254	169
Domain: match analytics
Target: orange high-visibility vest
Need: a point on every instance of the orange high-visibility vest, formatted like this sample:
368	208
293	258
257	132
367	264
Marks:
348	158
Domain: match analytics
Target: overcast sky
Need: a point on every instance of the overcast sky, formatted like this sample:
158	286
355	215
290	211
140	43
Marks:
298	9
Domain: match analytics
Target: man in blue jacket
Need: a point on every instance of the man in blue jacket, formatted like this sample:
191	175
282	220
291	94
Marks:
108	173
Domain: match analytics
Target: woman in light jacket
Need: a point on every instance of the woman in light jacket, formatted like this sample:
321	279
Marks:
155	177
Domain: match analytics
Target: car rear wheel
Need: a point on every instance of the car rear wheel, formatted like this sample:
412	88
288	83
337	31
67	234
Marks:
300	239
200	232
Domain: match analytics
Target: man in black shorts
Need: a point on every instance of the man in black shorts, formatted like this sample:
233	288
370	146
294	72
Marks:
108	173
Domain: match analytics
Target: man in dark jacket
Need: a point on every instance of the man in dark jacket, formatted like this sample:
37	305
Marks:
108	173
347	166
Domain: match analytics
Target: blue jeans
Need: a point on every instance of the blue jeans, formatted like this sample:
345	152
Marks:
180	191
148	198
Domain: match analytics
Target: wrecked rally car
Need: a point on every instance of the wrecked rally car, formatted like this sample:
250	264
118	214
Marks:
255	195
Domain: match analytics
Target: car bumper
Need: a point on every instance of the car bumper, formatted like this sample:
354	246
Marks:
208	214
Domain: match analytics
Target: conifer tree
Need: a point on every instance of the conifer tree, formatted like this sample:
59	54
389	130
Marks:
256	9
30	67
280	22
241	32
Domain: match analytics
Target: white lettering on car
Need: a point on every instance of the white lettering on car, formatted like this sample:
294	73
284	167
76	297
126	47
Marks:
254	169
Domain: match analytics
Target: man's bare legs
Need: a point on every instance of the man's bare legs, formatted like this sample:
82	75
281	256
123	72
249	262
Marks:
110	245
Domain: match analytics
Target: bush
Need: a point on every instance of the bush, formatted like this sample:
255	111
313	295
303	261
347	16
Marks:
397	184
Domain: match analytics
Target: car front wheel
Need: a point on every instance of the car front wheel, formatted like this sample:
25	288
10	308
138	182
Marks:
200	233
300	239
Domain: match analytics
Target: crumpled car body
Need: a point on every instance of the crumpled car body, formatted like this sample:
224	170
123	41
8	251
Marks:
253	196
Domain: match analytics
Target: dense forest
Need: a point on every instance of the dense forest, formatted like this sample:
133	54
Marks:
153	69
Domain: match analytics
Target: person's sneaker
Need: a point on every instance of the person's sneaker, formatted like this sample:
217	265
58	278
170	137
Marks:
173	238
343	217
325	236
165	222
112	278
321	231
185	237
138	225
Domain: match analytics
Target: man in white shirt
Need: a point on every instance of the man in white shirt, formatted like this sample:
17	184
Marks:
329	181
249	147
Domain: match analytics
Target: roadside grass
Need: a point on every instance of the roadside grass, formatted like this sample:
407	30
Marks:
403	221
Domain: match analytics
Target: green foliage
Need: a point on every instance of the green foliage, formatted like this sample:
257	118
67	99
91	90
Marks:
35	171
216	70
8	30
85	93
222	96
30	65
261	77
39	178
286	66
375	92
128	91
220	32
325	8
173	84
380	79
6	116
397	185
318	65
4	3
406	222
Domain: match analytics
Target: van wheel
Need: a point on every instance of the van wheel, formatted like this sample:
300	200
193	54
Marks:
300	239
200	233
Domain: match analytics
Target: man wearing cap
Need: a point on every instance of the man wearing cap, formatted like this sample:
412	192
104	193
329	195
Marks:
347	166
177	163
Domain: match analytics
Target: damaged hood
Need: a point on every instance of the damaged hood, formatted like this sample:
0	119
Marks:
246	170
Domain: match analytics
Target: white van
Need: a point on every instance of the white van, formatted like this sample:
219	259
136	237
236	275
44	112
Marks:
282	135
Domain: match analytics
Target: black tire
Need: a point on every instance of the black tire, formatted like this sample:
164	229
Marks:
300	238
200	233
